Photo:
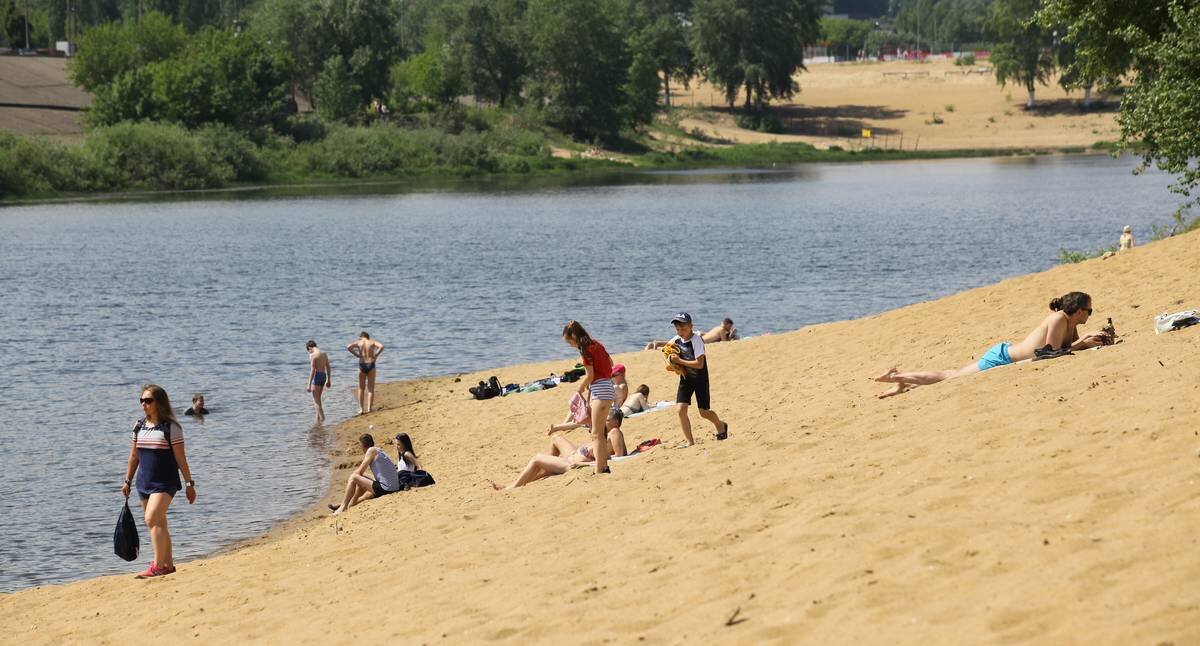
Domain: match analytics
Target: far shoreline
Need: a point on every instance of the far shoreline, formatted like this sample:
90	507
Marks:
588	169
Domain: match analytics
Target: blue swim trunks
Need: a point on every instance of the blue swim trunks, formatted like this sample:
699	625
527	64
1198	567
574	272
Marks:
997	355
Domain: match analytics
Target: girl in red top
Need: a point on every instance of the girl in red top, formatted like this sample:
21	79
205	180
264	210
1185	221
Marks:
596	385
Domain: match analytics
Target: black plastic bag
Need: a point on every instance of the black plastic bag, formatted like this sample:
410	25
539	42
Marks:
125	537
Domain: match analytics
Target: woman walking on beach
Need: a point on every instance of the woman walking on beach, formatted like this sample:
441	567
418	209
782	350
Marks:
596	384
157	456
1059	330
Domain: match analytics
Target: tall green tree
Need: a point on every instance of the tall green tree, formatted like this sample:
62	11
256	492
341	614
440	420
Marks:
1023	53
485	42
580	64
1156	46
362	32
336	93
108	50
843	36
659	30
218	77
755	46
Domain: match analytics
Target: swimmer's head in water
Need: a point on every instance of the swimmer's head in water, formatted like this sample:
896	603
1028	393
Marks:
366	441
310	345
364	335
1071	302
198	399
574	334
405	444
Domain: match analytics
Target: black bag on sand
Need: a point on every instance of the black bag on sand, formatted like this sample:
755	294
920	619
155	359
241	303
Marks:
125	537
414	479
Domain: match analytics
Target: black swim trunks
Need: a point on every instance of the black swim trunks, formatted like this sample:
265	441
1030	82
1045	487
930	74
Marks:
378	489
365	367
697	384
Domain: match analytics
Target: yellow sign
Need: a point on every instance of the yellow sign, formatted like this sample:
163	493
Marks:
866	133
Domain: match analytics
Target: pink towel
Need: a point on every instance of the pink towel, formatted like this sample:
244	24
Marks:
580	411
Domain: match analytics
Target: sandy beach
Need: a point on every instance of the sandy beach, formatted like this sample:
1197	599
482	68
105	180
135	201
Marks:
1048	502
898	101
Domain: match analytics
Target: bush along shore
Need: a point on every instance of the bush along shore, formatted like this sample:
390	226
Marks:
136	157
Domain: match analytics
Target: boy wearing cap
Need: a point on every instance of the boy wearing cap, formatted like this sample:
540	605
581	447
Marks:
694	379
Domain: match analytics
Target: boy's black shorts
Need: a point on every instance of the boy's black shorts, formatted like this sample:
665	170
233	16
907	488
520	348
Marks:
697	384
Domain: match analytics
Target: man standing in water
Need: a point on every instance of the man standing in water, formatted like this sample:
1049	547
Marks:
320	376
367	351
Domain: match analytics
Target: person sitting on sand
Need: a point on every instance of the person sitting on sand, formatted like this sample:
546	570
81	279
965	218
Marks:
564	454
612	427
723	332
620	387
367	351
197	409
1057	330
637	402
359	487
1126	242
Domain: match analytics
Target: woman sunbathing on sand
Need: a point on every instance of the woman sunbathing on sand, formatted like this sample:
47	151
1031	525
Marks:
1058	330
564	454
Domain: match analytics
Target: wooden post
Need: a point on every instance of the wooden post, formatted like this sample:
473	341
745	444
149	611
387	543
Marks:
902	141
918	144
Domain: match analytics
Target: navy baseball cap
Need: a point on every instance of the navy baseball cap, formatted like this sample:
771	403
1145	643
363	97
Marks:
682	317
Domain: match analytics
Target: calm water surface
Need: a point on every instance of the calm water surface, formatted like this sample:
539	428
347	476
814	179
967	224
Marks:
219	293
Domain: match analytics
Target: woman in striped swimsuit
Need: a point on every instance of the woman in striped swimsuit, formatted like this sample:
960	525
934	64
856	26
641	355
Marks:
157	456
596	385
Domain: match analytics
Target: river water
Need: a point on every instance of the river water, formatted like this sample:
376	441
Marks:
218	293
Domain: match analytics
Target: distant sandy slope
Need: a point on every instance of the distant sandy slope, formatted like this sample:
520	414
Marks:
899	99
1050	502
43	81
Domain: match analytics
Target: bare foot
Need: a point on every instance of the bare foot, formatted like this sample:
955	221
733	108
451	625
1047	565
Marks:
895	390
887	376
495	486
333	507
359	412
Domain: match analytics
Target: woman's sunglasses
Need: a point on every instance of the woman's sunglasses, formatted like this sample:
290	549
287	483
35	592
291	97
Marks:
147	400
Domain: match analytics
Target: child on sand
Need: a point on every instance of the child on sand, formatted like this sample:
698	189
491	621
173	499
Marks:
1057	330
359	487
694	379
320	376
596	384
